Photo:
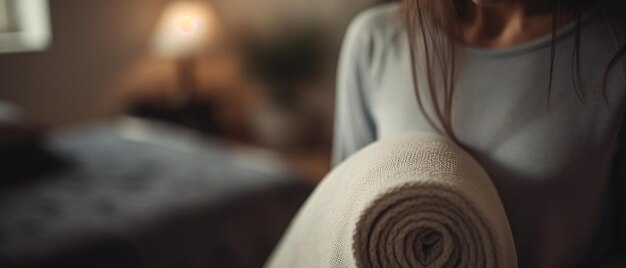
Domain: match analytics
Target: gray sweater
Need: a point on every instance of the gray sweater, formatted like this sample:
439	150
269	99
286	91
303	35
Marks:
552	167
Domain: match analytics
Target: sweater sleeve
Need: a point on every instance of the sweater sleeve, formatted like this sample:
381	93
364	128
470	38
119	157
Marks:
354	126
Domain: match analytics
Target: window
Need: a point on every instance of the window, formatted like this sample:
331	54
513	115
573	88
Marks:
24	25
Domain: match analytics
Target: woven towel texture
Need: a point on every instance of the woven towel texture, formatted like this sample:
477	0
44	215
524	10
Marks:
413	200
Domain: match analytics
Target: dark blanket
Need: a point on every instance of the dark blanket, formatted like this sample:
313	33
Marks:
135	193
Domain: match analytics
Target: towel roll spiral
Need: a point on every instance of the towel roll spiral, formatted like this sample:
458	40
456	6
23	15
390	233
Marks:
413	200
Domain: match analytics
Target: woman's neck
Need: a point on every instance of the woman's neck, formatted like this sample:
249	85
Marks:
508	23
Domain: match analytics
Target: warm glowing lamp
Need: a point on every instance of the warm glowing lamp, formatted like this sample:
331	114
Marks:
185	29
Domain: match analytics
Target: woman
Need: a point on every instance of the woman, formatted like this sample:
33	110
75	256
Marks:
534	90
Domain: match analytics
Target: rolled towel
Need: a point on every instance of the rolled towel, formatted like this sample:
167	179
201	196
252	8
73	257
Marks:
413	200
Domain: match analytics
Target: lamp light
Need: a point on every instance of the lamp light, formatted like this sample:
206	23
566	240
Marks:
185	29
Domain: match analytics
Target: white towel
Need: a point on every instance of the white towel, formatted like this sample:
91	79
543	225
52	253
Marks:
414	200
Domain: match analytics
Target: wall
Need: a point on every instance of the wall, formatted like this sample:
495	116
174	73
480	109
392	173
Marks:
95	43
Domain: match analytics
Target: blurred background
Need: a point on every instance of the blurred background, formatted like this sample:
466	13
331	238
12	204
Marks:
266	71
162	133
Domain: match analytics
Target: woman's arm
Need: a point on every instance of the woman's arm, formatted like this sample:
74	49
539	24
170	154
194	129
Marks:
354	125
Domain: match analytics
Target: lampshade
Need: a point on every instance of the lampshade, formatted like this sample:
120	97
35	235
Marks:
185	29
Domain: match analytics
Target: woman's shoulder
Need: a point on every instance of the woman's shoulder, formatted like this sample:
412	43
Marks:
376	23
378	17
372	34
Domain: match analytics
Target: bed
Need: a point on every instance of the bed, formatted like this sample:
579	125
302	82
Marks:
138	193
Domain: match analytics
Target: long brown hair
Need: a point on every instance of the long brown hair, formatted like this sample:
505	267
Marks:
439	24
